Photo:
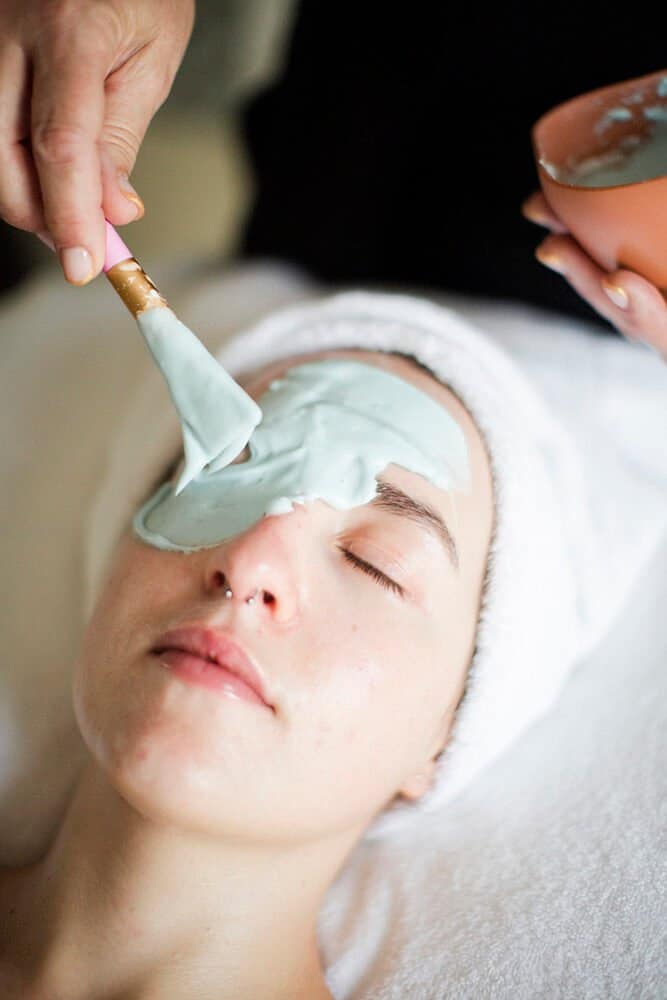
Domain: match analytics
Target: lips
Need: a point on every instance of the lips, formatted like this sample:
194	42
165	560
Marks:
216	647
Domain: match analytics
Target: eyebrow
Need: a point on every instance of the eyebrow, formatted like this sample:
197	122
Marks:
395	501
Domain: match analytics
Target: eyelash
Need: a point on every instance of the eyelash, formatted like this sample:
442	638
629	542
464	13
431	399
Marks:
378	576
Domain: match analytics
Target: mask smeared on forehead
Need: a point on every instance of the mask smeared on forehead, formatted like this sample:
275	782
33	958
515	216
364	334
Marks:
328	429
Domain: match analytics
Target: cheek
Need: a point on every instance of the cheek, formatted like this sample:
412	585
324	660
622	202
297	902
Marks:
367	703
370	666
142	586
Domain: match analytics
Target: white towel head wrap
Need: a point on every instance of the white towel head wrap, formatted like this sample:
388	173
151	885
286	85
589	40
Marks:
530	629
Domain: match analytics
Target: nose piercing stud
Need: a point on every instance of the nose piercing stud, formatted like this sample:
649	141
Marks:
249	600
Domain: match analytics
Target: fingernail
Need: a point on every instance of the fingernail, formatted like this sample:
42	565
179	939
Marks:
46	239
533	216
540	220
131	194
618	295
550	260
77	264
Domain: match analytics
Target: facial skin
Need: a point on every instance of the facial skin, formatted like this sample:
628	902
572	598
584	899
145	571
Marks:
364	682
334	645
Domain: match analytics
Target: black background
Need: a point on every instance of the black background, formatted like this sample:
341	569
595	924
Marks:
396	146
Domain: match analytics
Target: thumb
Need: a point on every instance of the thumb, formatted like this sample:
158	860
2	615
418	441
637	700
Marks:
126	119
120	201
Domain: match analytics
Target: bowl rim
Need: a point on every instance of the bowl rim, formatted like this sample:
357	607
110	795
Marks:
572	102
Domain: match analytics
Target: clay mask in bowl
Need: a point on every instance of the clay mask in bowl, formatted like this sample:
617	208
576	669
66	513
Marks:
602	164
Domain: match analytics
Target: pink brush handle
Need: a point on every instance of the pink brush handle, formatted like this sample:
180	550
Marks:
115	249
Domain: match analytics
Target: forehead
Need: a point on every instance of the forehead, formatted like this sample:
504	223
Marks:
257	381
472	512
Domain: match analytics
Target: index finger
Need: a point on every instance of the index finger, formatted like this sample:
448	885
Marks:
67	116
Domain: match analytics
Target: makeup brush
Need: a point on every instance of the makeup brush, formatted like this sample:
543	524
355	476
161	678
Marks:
217	416
128	276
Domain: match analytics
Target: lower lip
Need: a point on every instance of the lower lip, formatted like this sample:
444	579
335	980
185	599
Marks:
195	670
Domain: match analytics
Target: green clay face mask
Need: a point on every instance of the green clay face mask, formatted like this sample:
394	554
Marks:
328	429
217	416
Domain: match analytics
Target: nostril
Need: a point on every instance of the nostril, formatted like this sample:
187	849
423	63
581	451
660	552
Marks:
268	598
218	579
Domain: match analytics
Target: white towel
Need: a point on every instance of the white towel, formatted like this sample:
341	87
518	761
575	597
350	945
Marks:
548	599
546	876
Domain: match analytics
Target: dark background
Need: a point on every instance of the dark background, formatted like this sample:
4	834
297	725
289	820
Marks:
395	150
396	147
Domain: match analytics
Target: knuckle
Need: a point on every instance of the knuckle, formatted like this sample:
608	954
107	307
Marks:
65	227
57	144
68	23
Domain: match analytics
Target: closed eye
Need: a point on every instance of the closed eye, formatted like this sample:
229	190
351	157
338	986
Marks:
373	571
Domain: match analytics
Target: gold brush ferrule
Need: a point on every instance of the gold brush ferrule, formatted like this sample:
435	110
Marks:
134	286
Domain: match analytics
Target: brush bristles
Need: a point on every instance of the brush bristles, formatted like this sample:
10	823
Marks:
134	286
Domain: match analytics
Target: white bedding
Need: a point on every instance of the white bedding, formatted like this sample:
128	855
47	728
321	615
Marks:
547	877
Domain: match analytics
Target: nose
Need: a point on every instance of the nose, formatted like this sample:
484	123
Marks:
260	569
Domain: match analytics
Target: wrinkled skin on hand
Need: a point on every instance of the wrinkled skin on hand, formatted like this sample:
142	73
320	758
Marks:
80	82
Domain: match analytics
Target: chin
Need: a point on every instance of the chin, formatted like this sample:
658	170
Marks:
165	786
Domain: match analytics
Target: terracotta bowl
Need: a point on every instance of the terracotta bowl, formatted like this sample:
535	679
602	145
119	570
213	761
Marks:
620	226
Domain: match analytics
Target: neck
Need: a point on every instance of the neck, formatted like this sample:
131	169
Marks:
123	905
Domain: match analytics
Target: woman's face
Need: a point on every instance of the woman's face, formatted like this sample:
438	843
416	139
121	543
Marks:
363	675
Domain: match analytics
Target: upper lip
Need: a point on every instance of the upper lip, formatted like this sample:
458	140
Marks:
220	647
